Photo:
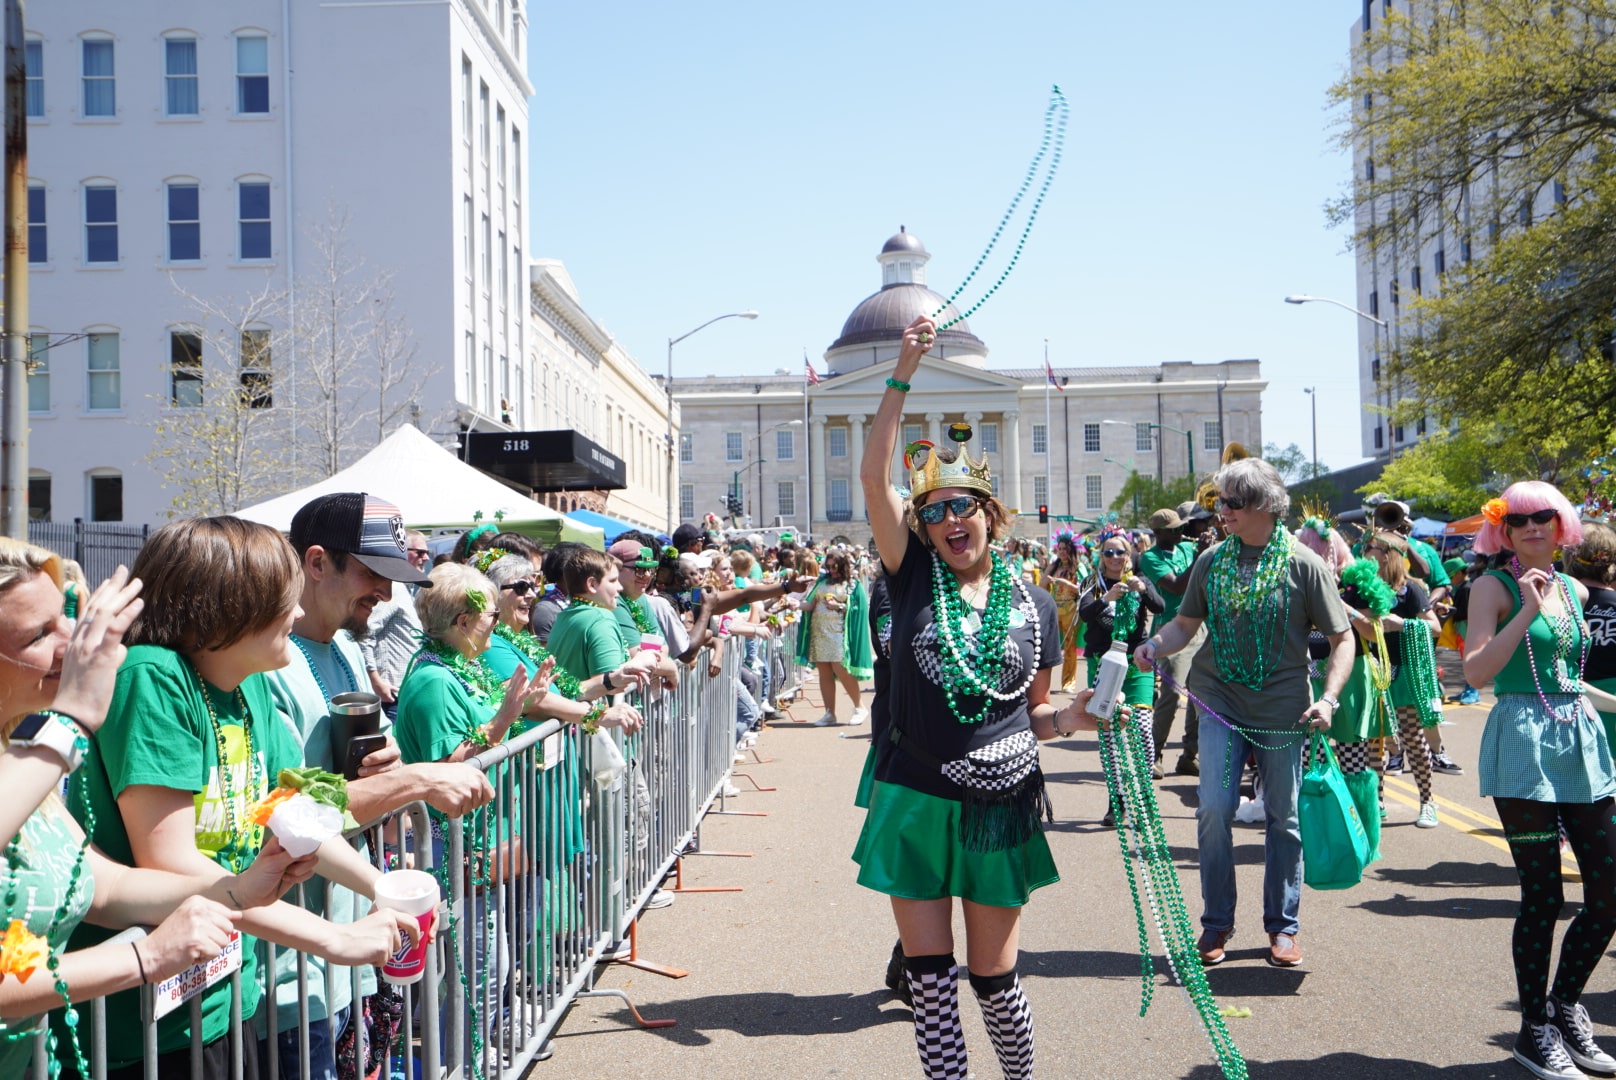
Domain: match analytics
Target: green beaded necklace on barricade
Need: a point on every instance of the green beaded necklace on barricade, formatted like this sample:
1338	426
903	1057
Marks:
1247	659
1419	661
524	642
973	669
70	1017
1127	759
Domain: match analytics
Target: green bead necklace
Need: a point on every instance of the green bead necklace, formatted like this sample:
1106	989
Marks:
973	669
1419	661
483	685
1250	616
239	852
1055	117
1126	619
524	642
53	962
1127	755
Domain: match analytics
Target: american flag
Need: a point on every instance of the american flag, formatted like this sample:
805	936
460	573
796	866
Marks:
813	376
1056	383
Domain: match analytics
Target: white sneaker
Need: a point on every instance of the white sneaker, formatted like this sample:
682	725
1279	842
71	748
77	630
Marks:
860	714
1427	818
824	721
768	710
660	899
740	759
730	791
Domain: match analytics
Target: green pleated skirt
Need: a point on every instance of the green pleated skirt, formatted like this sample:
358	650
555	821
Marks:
1138	687
861	797
910	847
1361	716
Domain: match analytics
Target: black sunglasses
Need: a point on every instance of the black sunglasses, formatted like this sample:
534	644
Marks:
962	505
1108	553
1228	502
521	588
1536	517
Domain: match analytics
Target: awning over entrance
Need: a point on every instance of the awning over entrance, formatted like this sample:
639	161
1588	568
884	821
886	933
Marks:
546	460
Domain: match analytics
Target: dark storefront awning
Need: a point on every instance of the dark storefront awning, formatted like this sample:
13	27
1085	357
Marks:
546	460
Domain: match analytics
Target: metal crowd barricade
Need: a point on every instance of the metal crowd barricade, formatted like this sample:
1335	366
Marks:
538	887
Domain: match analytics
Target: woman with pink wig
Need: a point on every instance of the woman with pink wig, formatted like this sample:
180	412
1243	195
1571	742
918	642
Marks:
1546	762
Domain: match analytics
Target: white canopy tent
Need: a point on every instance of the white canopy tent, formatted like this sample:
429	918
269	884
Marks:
434	490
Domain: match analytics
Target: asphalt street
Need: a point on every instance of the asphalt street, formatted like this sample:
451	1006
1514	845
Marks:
1406	975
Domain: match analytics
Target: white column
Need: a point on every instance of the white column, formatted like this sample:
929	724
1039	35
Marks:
1010	483
934	428
816	455
856	448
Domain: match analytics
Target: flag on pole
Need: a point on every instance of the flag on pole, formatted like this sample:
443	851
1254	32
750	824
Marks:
1049	371
813	376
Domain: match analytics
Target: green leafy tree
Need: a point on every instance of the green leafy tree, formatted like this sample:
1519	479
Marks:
1293	463
1148	495
1484	130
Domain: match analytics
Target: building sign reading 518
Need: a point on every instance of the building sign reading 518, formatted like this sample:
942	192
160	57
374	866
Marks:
515	446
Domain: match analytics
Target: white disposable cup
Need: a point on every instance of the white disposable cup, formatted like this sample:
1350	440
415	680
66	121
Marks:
413	892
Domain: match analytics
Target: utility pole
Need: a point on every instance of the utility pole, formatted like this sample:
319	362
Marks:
14	423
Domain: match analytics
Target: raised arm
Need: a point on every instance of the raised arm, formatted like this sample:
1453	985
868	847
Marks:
881	442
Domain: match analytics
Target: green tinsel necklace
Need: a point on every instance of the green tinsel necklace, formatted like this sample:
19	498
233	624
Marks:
1249	617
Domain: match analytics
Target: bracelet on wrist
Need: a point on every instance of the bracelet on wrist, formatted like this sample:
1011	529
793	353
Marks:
899	385
591	720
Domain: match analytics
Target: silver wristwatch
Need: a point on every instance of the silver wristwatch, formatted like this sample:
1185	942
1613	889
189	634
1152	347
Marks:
52	731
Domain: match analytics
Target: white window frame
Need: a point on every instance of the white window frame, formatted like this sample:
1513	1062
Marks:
836	442
39	371
1091	439
1212	435
194	373
785	498
990	438
785	445
255	364
242	221
1040	439
687	502
94	376
734	446
170	221
181	80
1040	490
41	223
90	477
687	448
86	80
1144	437
839	498
244	78
102	185
34	78
1093	492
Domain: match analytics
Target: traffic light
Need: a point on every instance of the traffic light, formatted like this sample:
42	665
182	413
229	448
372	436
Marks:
1043	513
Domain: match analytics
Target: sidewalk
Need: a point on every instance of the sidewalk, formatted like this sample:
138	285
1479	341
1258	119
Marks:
1405	976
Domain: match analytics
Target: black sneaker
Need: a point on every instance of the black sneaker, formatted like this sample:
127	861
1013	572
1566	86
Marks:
898	976
1540	1048
1394	765
1442	763
1578	1035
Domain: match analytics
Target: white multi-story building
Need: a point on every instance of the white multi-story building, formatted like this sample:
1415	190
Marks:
198	146
791	450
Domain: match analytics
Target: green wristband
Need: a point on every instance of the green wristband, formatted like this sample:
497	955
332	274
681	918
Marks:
899	385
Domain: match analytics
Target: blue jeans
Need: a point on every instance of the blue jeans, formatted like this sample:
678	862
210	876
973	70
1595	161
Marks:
1214	820
746	711
322	1049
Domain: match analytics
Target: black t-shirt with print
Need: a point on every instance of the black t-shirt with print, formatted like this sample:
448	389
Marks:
917	705
1600	611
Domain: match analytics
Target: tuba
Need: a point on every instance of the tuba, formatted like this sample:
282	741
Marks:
1207	494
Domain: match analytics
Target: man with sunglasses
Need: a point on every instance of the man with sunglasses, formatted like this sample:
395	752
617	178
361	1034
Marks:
1259	593
636	555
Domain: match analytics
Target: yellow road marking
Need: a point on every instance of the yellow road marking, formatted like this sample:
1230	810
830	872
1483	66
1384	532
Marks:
1488	830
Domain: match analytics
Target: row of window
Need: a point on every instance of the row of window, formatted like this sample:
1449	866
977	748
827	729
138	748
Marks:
839	498
987	440
103	369
103	490
182	75
182	217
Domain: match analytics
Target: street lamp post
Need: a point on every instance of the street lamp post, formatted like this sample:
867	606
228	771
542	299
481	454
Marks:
1313	401
735	492
673	451
1189	439
758	440
1382	327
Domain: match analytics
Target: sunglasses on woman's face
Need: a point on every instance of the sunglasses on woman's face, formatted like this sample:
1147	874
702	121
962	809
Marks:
1229	502
963	507
1536	517
521	588
1110	554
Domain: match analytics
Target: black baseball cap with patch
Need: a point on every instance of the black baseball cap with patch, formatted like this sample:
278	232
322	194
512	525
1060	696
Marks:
362	526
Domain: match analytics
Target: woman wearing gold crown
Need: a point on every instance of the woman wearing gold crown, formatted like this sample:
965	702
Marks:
957	800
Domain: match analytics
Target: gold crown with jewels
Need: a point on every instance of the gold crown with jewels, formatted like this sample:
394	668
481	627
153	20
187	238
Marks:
928	472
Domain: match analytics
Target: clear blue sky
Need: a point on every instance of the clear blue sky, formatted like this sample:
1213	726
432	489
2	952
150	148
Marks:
694	159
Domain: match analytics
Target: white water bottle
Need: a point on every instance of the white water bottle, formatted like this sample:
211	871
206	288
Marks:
1113	669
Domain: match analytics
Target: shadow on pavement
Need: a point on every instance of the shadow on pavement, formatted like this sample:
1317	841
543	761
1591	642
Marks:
761	1016
1361	1066
1443	908
1458	875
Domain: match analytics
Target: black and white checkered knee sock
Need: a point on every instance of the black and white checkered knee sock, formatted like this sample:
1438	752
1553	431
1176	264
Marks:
1008	1018
934	983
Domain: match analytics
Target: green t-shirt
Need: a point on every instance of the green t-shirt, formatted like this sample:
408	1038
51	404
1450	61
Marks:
1438	576
586	641
158	732
301	694
435	713
46	850
1156	564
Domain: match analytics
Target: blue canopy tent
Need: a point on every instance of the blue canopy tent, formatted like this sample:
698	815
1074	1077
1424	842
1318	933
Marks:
611	526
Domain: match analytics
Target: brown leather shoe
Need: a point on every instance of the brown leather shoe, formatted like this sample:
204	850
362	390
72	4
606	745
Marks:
1283	950
1211	946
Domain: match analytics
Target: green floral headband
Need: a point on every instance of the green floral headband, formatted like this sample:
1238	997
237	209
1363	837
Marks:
1318	525
477	600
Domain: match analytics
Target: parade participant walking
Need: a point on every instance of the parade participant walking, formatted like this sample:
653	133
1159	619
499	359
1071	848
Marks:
1114	608
55	684
958	795
1546	762
1065	581
1260	593
834	635
192	741
1167	566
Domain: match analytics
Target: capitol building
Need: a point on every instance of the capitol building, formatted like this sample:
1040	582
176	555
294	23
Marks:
790	448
